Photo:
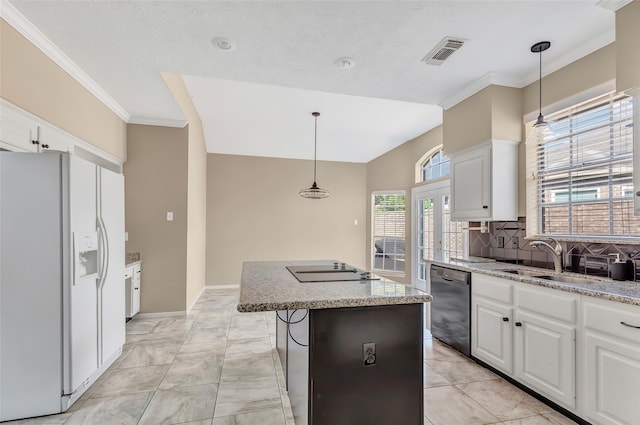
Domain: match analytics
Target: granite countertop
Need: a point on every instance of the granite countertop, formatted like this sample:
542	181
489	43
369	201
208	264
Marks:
621	291
269	286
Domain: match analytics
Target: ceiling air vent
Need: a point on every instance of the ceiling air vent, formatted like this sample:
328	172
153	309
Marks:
443	50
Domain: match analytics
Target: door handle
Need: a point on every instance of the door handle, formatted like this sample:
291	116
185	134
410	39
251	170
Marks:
505	319
629	326
518	324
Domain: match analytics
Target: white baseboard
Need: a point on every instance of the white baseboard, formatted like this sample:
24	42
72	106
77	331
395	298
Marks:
195	300
222	286
163	314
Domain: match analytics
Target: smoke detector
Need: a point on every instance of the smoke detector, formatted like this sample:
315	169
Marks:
443	50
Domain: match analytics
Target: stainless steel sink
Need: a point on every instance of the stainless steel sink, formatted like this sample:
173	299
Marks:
572	279
534	273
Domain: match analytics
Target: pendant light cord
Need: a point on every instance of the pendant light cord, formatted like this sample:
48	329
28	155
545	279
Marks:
540	83
315	148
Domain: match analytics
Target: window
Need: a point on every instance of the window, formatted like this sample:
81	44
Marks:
388	231
580	182
433	166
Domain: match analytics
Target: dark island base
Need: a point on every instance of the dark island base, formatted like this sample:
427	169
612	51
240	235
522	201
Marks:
359	365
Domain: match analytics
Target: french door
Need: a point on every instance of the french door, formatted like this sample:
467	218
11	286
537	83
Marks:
434	235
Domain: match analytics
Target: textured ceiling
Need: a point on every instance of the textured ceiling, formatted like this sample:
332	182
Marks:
283	62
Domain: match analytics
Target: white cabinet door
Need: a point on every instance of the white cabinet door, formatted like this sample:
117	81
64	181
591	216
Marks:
471	184
17	130
544	353
491	334
52	138
611	366
612	384
135	300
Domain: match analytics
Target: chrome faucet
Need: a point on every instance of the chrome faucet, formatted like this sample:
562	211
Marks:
556	253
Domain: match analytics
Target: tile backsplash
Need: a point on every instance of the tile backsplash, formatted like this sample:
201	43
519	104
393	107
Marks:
505	241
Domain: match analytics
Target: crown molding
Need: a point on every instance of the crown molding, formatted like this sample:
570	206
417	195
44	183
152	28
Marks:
160	122
613	5
491	78
18	21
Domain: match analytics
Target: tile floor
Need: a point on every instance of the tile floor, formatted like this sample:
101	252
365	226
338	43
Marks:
216	366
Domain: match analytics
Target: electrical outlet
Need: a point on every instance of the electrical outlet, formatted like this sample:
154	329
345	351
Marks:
500	241
368	354
514	242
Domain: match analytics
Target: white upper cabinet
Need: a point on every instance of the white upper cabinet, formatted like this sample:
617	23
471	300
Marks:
22	132
484	182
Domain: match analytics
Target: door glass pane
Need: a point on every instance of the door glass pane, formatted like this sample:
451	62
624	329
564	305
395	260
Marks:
453	235
426	235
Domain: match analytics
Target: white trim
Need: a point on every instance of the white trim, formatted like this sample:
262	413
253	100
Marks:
613	5
157	315
189	308
222	286
493	78
160	122
592	93
18	21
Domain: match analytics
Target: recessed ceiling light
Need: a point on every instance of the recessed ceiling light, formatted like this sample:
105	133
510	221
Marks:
223	43
344	62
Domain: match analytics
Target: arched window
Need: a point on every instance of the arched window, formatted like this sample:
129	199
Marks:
433	165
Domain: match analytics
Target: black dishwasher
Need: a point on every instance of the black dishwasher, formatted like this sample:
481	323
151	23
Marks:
451	307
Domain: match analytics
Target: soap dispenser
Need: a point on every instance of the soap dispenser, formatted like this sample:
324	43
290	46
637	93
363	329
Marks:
618	268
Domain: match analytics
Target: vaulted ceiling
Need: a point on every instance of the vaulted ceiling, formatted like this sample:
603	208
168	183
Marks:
256	98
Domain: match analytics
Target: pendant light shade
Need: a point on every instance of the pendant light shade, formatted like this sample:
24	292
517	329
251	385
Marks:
315	192
541	130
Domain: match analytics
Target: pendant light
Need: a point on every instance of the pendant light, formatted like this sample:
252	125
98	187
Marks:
541	130
314	192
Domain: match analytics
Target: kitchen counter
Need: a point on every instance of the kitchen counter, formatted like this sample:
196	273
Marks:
269	286
330	333
620	291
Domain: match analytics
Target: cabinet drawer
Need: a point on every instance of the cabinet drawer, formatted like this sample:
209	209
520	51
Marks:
608	317
491	287
551	303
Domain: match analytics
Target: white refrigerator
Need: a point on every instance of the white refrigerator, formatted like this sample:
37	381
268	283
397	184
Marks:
62	299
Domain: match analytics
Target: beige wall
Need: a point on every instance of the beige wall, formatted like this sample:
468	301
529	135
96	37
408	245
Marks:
627	40
32	81
254	212
469	122
196	190
395	170
495	112
156	182
580	76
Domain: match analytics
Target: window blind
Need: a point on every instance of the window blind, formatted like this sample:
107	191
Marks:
580	182
388	216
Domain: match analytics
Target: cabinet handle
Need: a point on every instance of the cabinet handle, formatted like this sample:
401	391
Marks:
45	146
35	142
505	319
138	271
518	324
630	326
485	207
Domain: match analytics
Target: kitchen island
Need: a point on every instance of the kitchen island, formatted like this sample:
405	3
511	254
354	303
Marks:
351	350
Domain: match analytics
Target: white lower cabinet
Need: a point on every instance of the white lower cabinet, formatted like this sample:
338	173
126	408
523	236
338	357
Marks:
545	357
527	332
545	326
491	321
132	279
611	366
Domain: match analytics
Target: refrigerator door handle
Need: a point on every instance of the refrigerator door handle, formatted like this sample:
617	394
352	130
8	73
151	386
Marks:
104	253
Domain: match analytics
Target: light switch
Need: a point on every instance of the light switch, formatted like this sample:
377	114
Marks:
169	216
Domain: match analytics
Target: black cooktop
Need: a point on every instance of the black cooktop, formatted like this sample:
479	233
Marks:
336	272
